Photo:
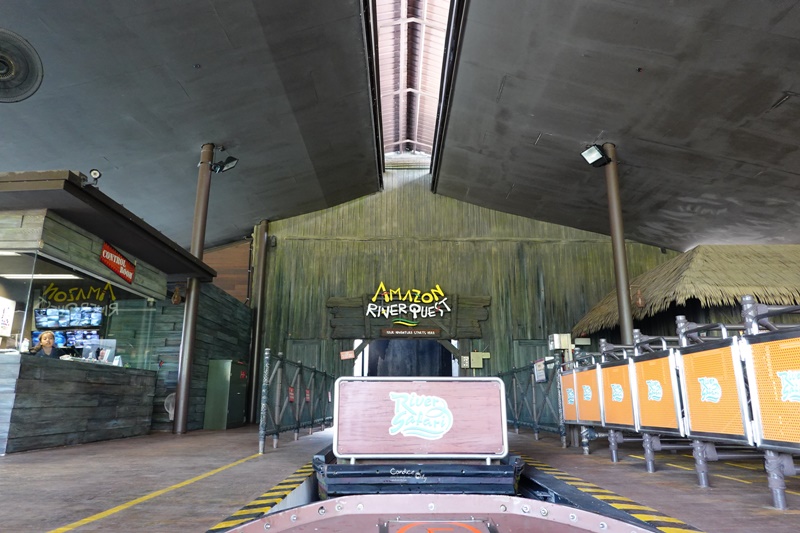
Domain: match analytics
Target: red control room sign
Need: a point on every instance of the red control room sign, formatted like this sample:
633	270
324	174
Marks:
117	262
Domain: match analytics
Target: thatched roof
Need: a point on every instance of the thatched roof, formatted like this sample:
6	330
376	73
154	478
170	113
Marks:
716	275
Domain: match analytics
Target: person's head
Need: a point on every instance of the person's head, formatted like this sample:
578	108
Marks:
47	338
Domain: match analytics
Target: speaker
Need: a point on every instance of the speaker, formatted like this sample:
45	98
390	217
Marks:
21	69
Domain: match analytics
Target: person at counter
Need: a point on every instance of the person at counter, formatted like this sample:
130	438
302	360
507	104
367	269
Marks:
46	346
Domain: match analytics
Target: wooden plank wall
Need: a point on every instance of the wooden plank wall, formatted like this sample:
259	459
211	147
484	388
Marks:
9	372
223	332
541	278
21	230
231	263
58	403
66	241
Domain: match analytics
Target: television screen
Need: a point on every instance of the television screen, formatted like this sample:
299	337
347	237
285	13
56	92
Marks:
86	316
79	337
51	318
61	339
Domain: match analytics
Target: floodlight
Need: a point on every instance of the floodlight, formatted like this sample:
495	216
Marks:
595	156
223	166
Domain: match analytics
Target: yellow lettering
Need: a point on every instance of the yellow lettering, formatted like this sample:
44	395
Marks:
437	291
50	290
393	293
381	291
416	292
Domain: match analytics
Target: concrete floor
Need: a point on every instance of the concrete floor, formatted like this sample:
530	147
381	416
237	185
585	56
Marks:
46	490
150	483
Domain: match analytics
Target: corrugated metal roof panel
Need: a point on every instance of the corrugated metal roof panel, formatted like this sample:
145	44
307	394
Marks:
411	38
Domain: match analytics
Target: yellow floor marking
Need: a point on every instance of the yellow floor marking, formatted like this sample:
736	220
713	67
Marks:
620	502
632	507
612	497
793	492
679	466
656	518
253	510
734	479
137	501
230	523
738	465
275	495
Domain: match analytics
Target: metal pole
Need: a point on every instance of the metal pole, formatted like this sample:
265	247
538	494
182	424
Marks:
257	303
192	291
262	424
618	246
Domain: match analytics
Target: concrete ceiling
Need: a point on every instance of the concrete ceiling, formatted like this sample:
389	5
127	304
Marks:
702	100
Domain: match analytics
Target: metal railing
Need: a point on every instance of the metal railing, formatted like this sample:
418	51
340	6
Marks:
293	396
533	404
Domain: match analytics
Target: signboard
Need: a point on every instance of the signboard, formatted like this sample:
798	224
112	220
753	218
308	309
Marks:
6	316
407	332
117	262
348	354
540	371
412	417
291	394
407	307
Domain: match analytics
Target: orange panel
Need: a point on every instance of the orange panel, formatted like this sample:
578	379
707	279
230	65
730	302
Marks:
587	396
568	398
617	397
656	395
713	399
777	372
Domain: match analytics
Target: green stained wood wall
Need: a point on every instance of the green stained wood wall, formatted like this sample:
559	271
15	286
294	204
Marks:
541	277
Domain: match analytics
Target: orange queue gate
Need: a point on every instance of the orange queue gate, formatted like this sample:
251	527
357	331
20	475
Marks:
618	400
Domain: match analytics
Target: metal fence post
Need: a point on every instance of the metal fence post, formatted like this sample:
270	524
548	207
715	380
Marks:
262	423
277	406
516	406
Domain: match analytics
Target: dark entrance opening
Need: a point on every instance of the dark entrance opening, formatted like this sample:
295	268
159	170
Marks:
409	357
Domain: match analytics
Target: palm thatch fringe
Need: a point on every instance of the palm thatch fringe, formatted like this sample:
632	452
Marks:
716	275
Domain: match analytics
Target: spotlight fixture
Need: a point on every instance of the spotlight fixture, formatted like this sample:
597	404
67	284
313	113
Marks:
595	156
223	166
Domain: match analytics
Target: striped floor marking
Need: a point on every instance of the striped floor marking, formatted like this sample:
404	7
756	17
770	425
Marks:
646	514
262	505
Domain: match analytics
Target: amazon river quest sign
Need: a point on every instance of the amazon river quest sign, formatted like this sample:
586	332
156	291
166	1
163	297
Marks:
407	307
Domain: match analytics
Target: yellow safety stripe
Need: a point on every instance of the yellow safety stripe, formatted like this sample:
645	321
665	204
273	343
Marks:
652	517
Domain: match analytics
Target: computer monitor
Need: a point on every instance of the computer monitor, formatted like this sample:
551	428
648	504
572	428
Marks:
102	349
79	337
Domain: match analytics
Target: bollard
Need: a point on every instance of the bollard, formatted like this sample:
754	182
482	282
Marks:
700	462
649	452
613	445
775	478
